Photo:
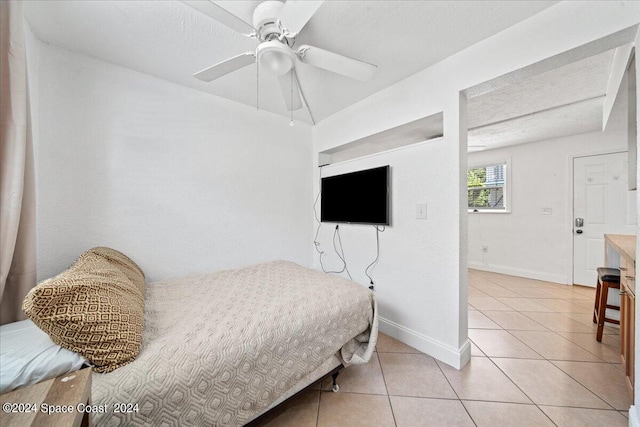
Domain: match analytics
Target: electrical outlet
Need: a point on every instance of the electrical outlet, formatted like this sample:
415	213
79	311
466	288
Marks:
485	249
421	210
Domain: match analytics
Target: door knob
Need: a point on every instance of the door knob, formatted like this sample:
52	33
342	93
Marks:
578	231
579	222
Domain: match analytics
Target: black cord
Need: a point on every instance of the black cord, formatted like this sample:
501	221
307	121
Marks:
316	243
342	257
366	270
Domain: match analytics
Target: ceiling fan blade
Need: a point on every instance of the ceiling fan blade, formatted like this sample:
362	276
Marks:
221	15
336	63
225	67
296	13
290	91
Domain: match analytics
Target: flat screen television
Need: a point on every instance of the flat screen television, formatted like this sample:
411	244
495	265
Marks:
360	197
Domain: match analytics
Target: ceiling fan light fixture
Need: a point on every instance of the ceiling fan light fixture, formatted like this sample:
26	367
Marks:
275	57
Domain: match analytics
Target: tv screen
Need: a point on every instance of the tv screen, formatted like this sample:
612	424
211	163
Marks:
360	197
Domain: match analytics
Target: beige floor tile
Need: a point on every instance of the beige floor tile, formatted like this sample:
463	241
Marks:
577	417
531	292
586	303
476	352
386	344
607	350
587	320
481	379
475	292
561	305
300	411
354	410
566	293
479	281
423	412
585	290
484	274
486	284
513	281
604	380
366	378
498	343
554	347
470	307
546	384
492	414
513	320
625	413
488	303
414	375
477	320
498	291
582	297
557	322
523	304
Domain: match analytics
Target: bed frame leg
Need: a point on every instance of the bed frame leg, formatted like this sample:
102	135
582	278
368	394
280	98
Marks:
335	387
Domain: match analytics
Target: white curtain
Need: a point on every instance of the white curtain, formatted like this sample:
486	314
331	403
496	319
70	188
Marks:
17	182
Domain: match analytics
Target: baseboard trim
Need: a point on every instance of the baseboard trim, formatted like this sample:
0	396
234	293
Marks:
634	420
529	274
456	358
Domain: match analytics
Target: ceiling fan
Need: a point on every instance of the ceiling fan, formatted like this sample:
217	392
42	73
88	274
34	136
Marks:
275	26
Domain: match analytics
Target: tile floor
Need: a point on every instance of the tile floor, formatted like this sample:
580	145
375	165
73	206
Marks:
535	362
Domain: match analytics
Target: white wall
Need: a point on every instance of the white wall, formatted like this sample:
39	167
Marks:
405	246
180	180
431	314
525	242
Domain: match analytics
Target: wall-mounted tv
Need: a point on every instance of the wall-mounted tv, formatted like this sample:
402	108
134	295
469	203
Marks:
360	197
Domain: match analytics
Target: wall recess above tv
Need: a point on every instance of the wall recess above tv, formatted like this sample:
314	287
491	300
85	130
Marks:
360	197
416	131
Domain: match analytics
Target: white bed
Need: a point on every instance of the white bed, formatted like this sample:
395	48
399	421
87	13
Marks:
223	348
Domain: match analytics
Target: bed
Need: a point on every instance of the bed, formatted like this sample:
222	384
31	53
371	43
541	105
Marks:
223	348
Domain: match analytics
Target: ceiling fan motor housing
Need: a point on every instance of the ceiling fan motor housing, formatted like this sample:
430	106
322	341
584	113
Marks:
265	20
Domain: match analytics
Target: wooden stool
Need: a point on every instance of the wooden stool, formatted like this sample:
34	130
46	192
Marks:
608	278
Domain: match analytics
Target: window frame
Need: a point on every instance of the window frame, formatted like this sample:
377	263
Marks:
506	188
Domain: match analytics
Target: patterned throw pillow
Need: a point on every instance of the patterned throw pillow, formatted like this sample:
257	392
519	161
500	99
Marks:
95	308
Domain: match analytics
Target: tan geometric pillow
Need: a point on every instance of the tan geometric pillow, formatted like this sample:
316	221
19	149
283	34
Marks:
95	308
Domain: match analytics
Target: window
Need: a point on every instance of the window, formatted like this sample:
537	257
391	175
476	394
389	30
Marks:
487	188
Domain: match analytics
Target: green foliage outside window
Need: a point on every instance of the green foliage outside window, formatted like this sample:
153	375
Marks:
478	196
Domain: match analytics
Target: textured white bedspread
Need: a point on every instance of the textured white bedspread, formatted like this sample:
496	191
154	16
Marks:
218	349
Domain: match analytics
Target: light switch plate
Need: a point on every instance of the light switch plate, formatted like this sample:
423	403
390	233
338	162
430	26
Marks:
421	211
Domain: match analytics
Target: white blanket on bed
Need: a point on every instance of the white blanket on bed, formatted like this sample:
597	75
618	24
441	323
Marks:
218	349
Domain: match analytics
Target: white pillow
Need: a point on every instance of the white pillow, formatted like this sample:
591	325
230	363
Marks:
28	356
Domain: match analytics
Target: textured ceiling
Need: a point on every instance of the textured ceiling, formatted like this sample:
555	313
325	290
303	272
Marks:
564	101
170	40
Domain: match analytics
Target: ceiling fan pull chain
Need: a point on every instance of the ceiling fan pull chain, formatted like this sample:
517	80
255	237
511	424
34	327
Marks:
257	85
291	122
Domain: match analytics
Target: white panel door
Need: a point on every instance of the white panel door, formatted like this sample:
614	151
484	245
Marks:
602	201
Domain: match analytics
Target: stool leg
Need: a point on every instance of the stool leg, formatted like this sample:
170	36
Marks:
597	302
602	307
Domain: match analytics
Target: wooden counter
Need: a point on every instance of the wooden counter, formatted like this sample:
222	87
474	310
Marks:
620	252
623	244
